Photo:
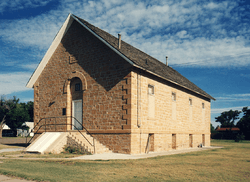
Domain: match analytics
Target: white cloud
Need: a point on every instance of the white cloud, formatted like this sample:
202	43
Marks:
234	98
182	34
220	110
31	66
11	5
38	31
190	33
13	82
27	99
206	52
245	75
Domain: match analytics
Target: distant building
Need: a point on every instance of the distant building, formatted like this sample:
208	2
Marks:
24	133
233	130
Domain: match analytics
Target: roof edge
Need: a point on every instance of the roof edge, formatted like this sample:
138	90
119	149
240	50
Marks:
134	64
174	82
64	28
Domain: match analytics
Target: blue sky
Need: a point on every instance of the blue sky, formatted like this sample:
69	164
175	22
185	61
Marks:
206	41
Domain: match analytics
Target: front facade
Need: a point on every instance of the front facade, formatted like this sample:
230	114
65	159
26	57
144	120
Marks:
117	93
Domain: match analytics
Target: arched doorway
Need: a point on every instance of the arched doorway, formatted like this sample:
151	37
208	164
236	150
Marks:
76	109
74	87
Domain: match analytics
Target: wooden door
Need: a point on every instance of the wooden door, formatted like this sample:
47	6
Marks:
190	140
173	141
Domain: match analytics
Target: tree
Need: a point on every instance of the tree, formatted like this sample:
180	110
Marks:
30	110
244	123
17	116
14	114
212	130
6	105
228	118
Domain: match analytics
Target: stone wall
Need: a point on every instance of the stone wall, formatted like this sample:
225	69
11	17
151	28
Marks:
118	143
180	116
105	85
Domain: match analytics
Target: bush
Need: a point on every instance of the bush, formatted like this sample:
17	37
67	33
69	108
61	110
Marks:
68	149
239	137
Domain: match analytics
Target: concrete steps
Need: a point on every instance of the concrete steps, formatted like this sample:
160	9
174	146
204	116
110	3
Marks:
44	142
54	142
98	149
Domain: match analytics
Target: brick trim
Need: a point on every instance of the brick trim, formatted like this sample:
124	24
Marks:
73	75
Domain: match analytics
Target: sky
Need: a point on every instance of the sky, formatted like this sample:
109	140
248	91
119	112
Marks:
207	41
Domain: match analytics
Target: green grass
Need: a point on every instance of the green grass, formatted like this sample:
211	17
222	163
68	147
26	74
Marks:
231	163
21	154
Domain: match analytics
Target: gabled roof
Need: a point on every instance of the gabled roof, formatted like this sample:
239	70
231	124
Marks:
131	54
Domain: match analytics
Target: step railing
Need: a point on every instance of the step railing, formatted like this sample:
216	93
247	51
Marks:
55	124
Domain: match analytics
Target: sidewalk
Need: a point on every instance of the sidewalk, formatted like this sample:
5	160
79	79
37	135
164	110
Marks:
12	179
110	156
11	150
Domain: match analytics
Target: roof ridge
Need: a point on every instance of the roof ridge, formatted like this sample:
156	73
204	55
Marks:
145	61
117	40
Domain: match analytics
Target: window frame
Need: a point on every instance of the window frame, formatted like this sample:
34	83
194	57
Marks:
190	101
77	87
174	96
153	89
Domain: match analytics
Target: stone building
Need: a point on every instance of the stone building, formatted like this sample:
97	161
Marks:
127	100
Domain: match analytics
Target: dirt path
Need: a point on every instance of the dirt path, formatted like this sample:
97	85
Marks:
13	141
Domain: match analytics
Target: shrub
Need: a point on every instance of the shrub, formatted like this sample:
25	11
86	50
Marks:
239	137
74	150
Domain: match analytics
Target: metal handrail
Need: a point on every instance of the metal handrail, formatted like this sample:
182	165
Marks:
44	125
66	121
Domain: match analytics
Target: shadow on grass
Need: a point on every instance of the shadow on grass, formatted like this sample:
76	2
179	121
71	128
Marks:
17	144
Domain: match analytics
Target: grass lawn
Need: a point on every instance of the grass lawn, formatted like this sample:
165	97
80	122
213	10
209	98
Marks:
231	163
22	155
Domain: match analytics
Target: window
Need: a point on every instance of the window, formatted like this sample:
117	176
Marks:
64	111
174	106
190	109
78	87
173	141
190	102
151	102
151	90
173	96
73	59
203	106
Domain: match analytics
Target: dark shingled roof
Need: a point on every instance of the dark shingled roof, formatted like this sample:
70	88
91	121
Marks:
146	62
